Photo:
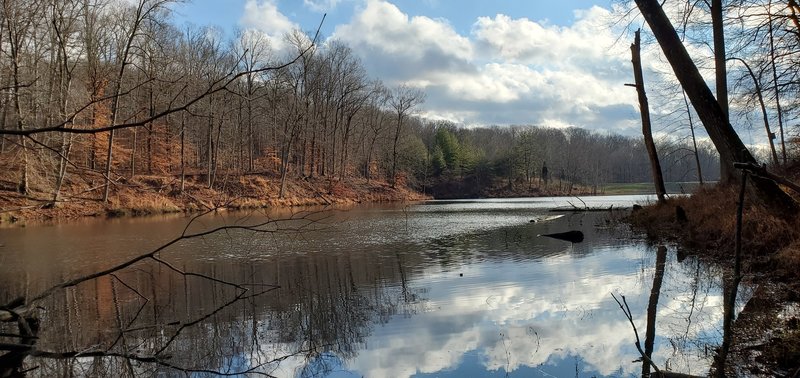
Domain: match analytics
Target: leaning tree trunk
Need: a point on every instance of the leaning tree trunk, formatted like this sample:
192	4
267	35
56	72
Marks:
708	109
655	165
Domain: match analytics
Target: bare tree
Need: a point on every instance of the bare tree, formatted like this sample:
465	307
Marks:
20	18
708	109
144	10
403	100
726	171
762	105
644	108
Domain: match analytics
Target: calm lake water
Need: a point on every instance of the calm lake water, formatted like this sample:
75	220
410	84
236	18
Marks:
436	289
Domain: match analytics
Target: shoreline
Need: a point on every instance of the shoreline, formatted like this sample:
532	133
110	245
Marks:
159	195
766	333
148	196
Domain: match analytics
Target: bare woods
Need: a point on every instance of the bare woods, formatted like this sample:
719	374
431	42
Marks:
96	94
110	103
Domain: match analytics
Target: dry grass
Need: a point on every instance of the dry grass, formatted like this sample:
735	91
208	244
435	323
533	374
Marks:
153	194
711	222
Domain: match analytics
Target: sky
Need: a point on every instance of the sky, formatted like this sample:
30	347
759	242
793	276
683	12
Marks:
504	62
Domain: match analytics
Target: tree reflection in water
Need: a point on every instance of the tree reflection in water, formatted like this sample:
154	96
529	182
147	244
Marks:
490	300
152	317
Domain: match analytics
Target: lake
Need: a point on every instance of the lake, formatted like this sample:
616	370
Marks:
434	289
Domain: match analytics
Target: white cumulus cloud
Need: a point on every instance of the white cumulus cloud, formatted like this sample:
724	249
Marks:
505	71
381	31
321	5
264	16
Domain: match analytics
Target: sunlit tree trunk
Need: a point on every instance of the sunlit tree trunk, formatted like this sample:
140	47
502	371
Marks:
644	108
727	173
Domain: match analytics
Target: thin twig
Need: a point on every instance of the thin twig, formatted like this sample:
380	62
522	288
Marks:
627	311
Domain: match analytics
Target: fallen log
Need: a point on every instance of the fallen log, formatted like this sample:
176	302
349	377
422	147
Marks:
570	236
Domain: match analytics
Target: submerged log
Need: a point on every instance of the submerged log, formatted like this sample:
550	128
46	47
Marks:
570	236
584	209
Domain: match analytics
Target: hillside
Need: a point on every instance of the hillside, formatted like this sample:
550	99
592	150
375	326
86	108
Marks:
145	195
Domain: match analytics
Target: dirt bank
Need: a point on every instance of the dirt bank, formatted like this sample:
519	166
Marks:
156	195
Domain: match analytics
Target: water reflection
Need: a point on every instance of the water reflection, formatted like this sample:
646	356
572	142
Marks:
446	289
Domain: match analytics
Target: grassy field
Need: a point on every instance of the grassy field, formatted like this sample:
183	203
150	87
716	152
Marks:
648	188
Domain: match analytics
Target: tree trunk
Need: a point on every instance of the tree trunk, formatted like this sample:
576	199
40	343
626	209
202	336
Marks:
708	109
66	147
644	108
284	167
183	149
367	172
109	151
22	186
151	114
694	139
14	40
313	159
210	146
778	109
345	142
250	138
727	174
216	153
133	152
393	178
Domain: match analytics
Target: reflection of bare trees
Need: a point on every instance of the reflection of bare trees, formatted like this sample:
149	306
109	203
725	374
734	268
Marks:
118	313
328	304
160	313
652	310
732	286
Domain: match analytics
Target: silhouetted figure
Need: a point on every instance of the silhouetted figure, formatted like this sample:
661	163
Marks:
544	173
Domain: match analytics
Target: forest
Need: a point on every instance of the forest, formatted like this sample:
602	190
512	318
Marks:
100	97
106	105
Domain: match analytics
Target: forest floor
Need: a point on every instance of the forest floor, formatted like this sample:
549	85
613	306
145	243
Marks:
145	195
766	334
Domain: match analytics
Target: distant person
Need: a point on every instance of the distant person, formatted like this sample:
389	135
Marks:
544	173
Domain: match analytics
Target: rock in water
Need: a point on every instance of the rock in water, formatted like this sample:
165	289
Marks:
570	236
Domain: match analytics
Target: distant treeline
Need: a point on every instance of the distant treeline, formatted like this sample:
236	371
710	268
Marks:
528	157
